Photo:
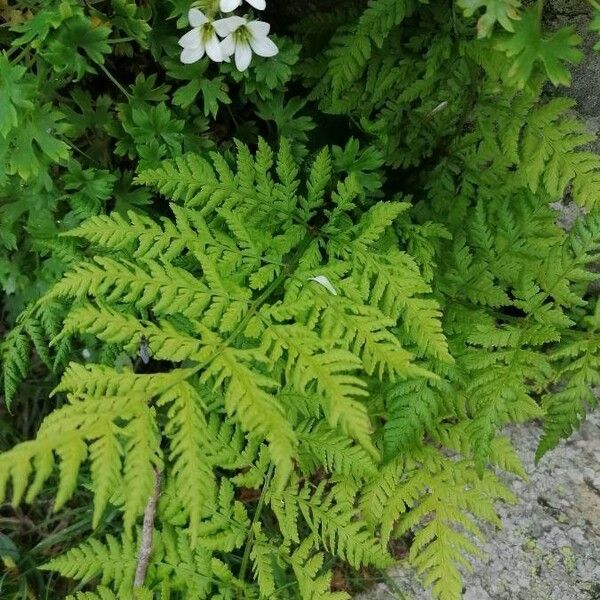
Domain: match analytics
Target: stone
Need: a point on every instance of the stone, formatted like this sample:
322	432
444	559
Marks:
549	548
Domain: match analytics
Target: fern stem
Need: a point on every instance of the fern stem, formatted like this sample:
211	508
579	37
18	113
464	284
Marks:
595	5
255	519
147	531
267	292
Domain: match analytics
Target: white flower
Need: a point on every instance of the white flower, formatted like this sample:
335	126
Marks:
247	38
203	37
229	5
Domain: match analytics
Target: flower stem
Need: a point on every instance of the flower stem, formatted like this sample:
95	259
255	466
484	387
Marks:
114	80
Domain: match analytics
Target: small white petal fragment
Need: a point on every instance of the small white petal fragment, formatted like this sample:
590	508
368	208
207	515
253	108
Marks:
324	281
258	28
191	55
243	55
263	47
229	5
439	108
213	48
197	17
228	25
228	45
191	39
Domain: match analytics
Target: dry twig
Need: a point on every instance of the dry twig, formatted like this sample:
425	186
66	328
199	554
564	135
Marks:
147	529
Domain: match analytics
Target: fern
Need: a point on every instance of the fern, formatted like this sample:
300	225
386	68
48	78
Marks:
271	359
565	408
113	562
33	328
234	346
311	583
352	50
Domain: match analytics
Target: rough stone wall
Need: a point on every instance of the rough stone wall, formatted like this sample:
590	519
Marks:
585	88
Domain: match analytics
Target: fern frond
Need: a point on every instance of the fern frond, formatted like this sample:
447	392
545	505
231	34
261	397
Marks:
312	583
15	361
248	396
262	556
352	48
321	446
338	527
113	562
413	409
181	179
442	543
191	470
101	593
330	372
393	283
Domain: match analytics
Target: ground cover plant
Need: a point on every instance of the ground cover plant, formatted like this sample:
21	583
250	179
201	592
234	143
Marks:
276	275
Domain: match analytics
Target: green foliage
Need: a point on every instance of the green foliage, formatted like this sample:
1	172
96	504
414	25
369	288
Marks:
496	11
301	302
528	47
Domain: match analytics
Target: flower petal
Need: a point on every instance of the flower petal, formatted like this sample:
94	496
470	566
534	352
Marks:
324	281
228	45
243	55
263	46
197	17
213	48
257	4
229	5
191	39
258	28
191	55
228	25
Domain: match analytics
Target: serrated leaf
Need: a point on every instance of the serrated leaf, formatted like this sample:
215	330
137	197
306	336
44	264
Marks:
496	11
530	47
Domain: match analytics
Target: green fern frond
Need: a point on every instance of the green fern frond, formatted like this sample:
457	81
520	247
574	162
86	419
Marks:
15	361
339	529
181	179
442	544
262	556
113	562
566	407
312	583
187	431
321	446
352	48
101	593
